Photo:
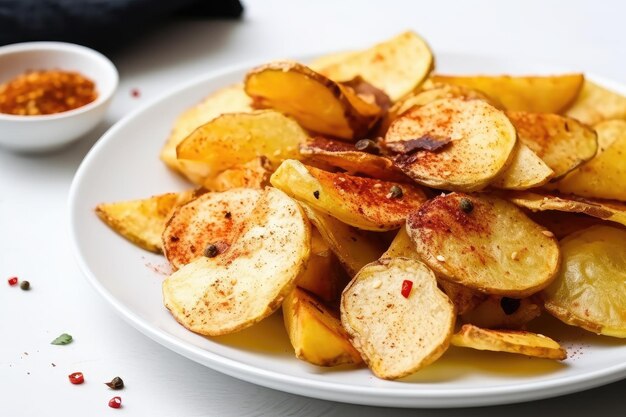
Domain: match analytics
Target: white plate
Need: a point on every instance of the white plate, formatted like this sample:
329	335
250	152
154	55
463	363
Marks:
124	164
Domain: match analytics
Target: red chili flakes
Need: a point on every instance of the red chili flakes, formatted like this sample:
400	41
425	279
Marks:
115	402
12	281
76	378
406	288
135	93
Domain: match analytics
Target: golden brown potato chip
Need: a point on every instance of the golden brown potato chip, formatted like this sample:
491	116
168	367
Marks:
316	102
315	332
231	140
605	175
512	341
589	289
345	156
614	211
142	221
503	312
211	219
248	282
318	64
541	94
322	273
526	170
562	143
232	99
484	243
396	66
252	174
397	329
365	203
477	143
596	104
562	223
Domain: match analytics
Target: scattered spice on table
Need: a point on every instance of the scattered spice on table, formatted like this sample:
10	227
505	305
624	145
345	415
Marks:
116	383
135	93
76	378
63	339
25	285
12	281
115	402
46	92
53	364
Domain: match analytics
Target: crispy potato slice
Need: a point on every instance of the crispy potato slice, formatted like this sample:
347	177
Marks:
512	341
614	211
605	175
484	243
463	298
248	282
215	218
561	223
397	335
589	289
562	143
396	66
315	332
142	221
541	94
365	203
353	247
481	142
596	104
318	64
252	174
232	99
345	156
321	275
231	140
526	170
503	313
317	103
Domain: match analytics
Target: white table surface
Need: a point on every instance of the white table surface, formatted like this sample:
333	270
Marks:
34	241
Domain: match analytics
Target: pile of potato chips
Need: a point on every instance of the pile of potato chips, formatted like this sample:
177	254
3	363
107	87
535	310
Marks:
392	212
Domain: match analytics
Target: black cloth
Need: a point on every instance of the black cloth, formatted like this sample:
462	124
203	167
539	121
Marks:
100	24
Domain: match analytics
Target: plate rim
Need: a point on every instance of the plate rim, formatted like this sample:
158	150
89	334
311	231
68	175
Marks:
327	390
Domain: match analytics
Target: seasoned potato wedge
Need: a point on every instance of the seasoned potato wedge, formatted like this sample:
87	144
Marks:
614	211
397	335
512	341
321	275
562	143
345	156
503	312
541	94
596	104
396	66
589	289
317	103
365	203
231	140
248	282
354	248
480	141
142	221
605	175
215	218
484	243
232	99
315	332
252	174
526	170
463	298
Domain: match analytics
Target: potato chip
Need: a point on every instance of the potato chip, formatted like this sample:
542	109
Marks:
322	273
596	104
397	331
541	94
484	243
589	289
512	341
252	174
526	170
481	141
365	203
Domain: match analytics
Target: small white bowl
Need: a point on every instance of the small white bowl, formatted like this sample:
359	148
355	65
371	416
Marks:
48	132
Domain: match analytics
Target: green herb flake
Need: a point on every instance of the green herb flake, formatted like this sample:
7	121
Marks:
64	339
